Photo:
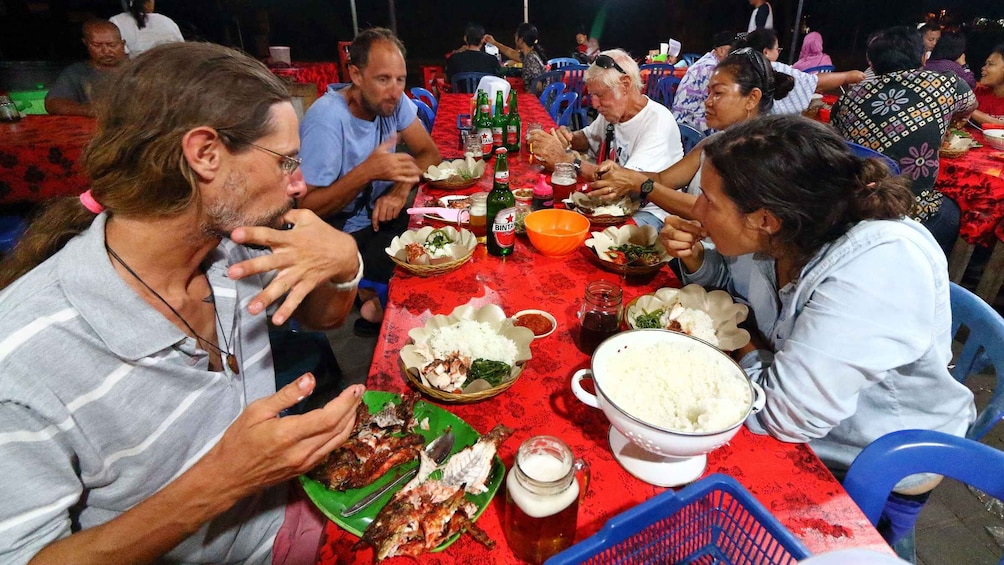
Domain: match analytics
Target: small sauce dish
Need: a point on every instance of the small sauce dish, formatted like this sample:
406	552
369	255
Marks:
541	323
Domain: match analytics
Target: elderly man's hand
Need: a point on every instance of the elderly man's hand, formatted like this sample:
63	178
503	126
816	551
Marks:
259	449
310	254
548	148
613	182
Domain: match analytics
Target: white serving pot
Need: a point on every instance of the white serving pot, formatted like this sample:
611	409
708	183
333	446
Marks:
647	436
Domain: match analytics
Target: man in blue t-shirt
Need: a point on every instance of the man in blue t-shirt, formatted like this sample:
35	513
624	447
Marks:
357	179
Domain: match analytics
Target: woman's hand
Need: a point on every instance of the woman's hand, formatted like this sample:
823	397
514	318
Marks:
614	182
682	239
310	254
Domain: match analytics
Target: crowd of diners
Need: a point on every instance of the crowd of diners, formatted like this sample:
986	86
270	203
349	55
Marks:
139	402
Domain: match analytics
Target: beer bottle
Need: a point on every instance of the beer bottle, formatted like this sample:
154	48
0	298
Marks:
499	122
483	125
514	129
501	209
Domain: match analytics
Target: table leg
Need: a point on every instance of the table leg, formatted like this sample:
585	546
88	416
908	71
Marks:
959	260
993	275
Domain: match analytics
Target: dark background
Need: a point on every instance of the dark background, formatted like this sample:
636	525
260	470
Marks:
50	29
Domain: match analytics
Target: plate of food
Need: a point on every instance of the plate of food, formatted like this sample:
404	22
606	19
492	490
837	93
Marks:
431	251
455	174
470	355
713	316
389	435
955	144
541	323
450	202
629	250
603	213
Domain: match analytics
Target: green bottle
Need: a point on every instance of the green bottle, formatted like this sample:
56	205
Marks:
501	209
499	122
483	124
514	128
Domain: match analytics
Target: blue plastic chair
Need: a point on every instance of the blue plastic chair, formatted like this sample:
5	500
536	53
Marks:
466	83
819	69
690	137
424	95
563	117
11	230
862	151
665	90
890	458
655	72
574	77
551	93
425	114
543	80
690	58
984	346
560	62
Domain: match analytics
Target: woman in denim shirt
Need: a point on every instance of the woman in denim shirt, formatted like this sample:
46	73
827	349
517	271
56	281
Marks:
849	297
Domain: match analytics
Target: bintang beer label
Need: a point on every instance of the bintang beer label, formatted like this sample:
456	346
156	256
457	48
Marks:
501	206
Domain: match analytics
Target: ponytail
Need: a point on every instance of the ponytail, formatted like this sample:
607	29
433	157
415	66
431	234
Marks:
783	84
137	12
878	195
61	220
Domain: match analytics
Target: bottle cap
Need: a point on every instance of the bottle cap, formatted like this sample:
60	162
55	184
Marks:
542	187
500	150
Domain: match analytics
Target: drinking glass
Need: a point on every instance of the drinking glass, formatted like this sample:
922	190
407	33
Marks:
479	215
472	147
531	127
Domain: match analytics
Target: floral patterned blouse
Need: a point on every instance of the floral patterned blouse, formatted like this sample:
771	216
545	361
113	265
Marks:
533	66
904	115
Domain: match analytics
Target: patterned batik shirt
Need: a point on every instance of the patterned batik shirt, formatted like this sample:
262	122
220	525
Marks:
904	115
688	105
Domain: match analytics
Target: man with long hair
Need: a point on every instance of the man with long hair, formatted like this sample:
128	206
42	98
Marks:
138	404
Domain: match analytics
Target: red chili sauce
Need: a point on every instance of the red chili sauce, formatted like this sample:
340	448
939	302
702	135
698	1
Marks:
536	323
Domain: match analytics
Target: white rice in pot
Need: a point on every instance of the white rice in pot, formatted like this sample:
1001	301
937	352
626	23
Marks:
675	388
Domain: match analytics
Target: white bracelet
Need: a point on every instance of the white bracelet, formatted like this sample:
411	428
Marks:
354	283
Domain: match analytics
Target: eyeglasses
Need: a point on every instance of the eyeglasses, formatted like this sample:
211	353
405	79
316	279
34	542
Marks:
287	164
607	62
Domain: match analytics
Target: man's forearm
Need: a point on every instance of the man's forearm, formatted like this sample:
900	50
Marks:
326	200
151	528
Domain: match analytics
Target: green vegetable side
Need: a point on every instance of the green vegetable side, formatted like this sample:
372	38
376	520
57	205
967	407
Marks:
437	240
649	320
638	254
495	372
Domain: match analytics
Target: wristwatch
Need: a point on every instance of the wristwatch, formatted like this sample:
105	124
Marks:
577	163
646	188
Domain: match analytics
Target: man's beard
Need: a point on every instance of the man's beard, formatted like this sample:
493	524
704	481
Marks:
372	108
224	216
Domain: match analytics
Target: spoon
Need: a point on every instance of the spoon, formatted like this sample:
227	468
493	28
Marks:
438	450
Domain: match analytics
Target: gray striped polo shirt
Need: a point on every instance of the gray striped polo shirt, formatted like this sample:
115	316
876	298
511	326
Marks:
103	402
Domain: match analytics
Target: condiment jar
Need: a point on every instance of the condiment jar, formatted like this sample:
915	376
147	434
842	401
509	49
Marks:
542	498
600	314
543	194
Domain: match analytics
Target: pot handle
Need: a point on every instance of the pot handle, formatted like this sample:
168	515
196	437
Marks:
585	397
759	398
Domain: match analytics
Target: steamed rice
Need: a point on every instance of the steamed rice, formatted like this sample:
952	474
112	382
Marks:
675	388
475	340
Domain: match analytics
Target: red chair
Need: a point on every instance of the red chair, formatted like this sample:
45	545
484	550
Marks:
430	74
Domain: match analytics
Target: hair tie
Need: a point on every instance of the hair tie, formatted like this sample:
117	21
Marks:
870	185
92	205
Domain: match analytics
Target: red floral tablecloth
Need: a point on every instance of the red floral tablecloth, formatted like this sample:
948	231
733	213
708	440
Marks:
787	478
322	74
975	181
39	157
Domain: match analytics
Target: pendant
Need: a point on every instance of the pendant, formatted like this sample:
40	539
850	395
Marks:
232	363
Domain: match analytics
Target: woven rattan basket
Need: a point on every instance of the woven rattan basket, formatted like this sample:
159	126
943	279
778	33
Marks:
581	204
460	398
453	183
462	250
952	153
432	270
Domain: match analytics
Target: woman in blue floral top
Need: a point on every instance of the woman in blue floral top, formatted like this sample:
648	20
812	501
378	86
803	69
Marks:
904	113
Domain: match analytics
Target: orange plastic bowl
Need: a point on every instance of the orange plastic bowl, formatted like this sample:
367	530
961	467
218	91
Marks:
556	233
